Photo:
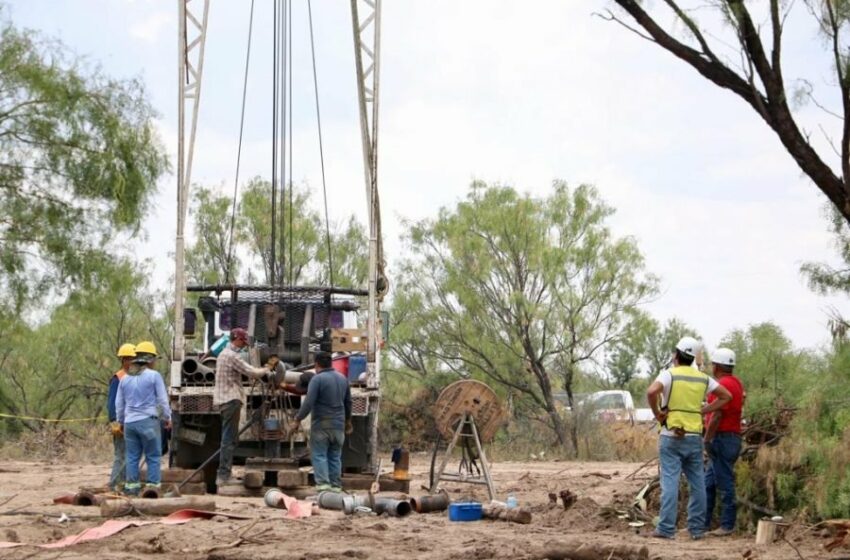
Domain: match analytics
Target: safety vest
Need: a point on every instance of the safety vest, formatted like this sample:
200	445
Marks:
687	392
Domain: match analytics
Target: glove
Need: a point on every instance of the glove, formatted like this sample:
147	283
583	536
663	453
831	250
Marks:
349	427
116	429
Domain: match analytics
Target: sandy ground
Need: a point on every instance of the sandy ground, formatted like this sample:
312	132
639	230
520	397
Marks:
30	486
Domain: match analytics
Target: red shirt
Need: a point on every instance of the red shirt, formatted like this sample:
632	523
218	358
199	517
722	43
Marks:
730	421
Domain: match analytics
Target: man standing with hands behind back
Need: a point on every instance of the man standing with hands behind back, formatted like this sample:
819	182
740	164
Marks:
329	400
682	390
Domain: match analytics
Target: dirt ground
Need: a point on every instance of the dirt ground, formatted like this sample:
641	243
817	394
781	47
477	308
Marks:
31	486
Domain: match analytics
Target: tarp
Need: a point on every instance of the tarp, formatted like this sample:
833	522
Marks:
115	526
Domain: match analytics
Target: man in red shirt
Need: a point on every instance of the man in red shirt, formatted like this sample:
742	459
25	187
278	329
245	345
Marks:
723	444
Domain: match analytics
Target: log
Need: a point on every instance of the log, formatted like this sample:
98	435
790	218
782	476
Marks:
765	532
590	551
253	479
174	475
516	515
291	478
162	506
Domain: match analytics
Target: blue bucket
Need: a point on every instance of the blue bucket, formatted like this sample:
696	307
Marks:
464	511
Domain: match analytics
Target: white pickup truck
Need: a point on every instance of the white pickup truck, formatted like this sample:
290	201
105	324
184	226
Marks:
616	406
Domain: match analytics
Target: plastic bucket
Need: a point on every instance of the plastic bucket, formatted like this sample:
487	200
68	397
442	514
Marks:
464	511
341	364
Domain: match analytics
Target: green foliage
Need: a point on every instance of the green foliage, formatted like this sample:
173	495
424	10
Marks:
79	160
826	279
61	368
301	254
520	291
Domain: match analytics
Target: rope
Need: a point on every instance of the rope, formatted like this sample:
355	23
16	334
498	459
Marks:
239	150
54	420
321	148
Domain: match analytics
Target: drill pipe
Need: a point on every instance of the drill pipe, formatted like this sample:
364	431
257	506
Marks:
393	508
86	499
151	493
339	501
432	502
191	366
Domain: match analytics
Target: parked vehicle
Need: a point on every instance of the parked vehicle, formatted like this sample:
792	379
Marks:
611	406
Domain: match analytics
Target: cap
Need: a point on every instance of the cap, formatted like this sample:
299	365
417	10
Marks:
239	334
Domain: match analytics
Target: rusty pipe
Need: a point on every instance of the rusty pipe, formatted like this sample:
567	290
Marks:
151	493
393	508
191	366
274	498
431	502
84	498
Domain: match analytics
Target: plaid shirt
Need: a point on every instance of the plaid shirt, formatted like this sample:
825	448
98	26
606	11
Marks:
229	369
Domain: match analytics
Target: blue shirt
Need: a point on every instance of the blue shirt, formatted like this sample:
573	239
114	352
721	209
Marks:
139	396
328	398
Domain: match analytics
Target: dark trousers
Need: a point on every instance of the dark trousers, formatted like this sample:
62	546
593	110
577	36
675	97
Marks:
720	477
230	412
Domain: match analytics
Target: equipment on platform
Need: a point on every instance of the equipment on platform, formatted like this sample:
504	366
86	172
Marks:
467	413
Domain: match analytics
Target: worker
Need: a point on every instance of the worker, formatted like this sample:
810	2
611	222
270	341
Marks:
126	353
723	444
676	398
328	401
140	403
228	396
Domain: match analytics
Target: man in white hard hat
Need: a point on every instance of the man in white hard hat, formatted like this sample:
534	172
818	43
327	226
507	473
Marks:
723	444
676	398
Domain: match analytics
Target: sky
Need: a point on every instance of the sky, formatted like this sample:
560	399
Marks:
509	92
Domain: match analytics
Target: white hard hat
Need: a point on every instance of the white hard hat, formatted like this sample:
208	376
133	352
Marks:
724	357
689	346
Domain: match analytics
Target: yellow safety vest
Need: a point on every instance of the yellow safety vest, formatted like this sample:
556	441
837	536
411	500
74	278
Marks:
687	393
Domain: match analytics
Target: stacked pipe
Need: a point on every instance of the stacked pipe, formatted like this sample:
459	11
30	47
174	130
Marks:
197	373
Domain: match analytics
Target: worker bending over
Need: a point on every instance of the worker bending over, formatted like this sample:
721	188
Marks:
682	390
723	444
139	403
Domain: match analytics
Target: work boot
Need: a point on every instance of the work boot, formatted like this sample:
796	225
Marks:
337	489
721	532
324	488
223	481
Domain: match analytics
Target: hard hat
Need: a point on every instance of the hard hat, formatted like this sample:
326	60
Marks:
127	351
724	357
146	347
239	334
687	345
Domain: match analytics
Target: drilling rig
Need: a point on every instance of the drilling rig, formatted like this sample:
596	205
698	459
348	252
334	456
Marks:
290	321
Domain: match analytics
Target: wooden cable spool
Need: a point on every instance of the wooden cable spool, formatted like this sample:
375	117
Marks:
469	397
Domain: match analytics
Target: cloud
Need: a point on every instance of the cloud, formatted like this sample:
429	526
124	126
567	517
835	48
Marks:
150	28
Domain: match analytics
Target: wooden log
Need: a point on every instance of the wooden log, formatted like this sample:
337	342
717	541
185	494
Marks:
174	475
592	551
192	488
502	513
162	506
291	478
253	479
765	532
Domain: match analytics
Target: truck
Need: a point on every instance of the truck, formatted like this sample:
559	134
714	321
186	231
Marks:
609	406
290	323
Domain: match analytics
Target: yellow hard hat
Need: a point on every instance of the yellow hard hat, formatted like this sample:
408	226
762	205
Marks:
146	347
127	351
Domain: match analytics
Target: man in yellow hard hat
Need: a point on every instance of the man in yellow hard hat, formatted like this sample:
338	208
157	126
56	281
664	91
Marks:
141	401
116	480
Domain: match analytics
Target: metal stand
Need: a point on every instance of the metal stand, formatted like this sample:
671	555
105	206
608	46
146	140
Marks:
466	429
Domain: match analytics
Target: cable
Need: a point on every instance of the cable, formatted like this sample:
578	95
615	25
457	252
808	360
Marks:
321	147
282	101
239	150
275	41
291	212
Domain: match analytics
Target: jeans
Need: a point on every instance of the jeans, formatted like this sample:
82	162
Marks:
142	437
326	453
679	455
720	476
230	412
116	479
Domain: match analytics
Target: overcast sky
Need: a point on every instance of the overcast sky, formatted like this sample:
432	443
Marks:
515	92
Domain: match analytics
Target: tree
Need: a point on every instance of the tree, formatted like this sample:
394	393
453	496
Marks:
79	160
759	80
662	340
210	259
623	362
521	291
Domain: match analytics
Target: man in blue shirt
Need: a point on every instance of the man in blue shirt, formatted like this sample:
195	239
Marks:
329	400
140	400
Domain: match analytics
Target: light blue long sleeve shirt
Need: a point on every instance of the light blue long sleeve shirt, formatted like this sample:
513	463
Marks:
139	396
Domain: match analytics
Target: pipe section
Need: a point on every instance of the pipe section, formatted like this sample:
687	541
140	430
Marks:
431	502
344	502
151	493
192	366
394	508
274	498
85	499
